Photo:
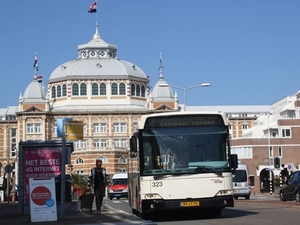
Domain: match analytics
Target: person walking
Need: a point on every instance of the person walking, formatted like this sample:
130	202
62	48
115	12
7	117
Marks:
98	179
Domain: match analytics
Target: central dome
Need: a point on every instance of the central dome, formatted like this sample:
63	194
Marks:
96	59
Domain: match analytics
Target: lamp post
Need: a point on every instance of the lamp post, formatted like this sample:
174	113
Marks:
188	88
269	153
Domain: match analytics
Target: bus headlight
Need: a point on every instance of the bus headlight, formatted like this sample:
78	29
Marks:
224	192
152	196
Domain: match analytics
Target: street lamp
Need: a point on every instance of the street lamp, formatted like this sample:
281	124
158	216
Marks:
188	88
269	153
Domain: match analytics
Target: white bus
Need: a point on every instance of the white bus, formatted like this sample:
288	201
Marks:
181	161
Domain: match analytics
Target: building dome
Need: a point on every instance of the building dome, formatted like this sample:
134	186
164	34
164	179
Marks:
34	92
96	60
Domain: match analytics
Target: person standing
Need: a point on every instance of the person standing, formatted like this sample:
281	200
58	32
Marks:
98	180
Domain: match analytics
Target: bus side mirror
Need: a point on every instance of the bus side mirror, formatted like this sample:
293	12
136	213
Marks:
234	161
133	144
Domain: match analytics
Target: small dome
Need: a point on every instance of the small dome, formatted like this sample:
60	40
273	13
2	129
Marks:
34	92
162	90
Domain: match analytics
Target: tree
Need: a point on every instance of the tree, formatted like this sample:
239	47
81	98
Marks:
78	182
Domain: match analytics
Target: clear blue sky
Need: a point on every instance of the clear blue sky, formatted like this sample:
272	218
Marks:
248	50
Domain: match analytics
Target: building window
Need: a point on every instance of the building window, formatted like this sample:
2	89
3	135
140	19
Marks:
75	89
116	127
58	91
123	128
132	90
96	127
97	143
286	133
271	154
243	152
64	90
95	90
103	143
143	91
80	144
138	90
122	89
79	171
120	143
102	89
53	92
37	128
83	89
122	170
104	160
122	160
84	128
280	151
103	128
135	127
54	129
13	142
245	126
30	128
79	161
114	89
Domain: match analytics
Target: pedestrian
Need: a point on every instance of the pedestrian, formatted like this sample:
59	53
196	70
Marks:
98	180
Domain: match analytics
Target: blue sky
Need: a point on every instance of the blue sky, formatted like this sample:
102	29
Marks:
248	50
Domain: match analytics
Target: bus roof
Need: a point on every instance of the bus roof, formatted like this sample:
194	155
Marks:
182	113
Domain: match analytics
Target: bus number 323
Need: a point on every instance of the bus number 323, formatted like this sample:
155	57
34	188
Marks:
157	184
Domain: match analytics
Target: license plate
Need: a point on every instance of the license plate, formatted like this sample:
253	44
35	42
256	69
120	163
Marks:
190	204
117	195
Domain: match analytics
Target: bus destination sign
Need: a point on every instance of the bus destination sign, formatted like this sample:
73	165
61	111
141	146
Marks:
184	120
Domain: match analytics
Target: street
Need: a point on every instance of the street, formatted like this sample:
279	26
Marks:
255	211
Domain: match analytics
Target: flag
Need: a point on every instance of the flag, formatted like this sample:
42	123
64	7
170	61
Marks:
35	65
148	77
40	79
93	8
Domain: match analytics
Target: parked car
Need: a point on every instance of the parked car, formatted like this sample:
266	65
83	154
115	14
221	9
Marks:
290	190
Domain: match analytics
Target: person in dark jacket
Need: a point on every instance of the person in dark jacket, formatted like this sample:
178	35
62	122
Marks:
98	180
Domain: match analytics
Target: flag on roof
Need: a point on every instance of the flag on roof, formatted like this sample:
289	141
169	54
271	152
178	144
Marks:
93	8
40	78
148	77
35	65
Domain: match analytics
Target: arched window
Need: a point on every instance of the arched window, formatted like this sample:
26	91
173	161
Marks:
122	160
79	161
132	90
122	90
64	90
53	92
95	90
102	89
75	89
83	89
104	160
58	91
143	91
114	89
138	90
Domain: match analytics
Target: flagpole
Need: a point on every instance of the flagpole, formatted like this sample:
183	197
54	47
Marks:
97	14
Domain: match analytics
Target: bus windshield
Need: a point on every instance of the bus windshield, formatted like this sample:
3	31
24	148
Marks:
182	150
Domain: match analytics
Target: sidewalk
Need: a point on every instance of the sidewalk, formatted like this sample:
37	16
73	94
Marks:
9	215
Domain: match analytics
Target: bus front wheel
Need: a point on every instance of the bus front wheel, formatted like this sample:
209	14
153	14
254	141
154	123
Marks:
216	212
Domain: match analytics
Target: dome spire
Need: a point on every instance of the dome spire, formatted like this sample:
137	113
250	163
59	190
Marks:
35	66
161	77
97	35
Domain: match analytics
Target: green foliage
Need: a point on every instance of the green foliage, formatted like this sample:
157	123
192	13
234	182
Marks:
78	182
